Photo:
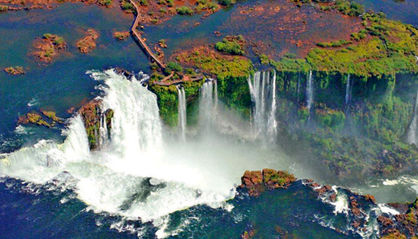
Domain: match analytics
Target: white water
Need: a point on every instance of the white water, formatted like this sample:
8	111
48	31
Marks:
309	94
348	91
412	134
298	88
263	95
272	122
182	112
114	179
208	103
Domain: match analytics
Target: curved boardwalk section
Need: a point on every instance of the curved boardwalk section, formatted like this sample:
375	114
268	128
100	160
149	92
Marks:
141	40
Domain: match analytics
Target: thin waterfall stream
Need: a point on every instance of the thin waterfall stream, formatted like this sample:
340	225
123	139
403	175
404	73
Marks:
182	120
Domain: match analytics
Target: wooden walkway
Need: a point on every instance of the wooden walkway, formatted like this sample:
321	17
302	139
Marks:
165	81
141	40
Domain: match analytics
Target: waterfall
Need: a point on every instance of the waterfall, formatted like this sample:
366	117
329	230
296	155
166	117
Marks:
348	91
298	89
182	112
208	103
272	123
309	94
137	173
136	128
412	134
263	95
215	94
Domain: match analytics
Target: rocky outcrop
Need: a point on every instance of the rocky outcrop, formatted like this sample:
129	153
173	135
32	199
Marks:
88	43
121	71
97	123
121	35
45	118
403	225
47	48
16	70
248	234
257	182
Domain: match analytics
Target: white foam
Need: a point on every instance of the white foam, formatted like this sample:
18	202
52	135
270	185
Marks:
33	102
114	179
387	209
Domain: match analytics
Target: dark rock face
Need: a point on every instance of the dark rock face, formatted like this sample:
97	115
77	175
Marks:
121	71
257	182
94	119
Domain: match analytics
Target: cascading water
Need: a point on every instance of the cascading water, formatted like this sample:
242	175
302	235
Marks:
309	94
272	123
263	95
208	103
348	91
412	135
182	112
298	89
138	174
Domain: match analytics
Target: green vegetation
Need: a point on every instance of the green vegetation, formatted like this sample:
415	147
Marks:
383	47
106	3
344	6
349	8
173	66
3	8
234	93
330	118
357	36
338	43
206	5
55	39
231	45
184	10
121	35
167	102
127	6
143	2
288	63
218	65
227	2
391	48
14	70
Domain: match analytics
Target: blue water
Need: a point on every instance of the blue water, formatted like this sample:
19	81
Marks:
30	211
62	84
405	11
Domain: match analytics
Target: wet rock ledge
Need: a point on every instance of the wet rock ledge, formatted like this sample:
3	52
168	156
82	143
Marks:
402	223
98	124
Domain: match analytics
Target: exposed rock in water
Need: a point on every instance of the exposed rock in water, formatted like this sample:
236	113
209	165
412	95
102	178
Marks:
121	35
121	71
248	234
403	225
257	182
17	70
88	43
47	48
47	118
359	209
98	124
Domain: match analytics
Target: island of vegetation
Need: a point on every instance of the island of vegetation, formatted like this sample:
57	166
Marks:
47	48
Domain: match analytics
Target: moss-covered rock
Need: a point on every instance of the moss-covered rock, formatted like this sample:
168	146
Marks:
94	119
16	70
257	182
